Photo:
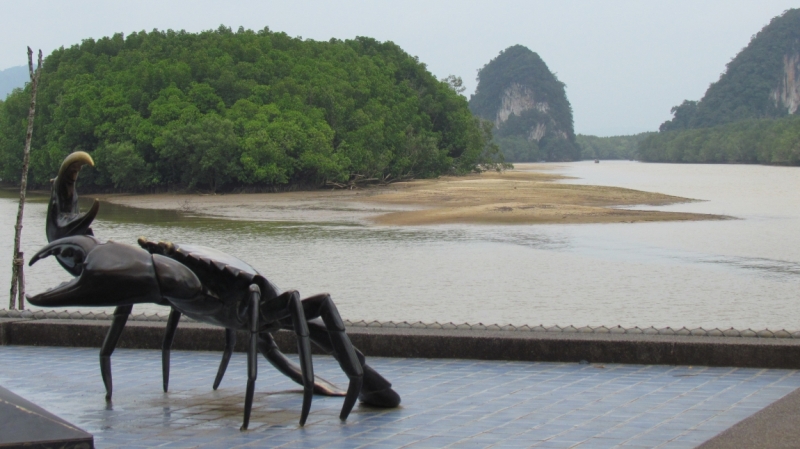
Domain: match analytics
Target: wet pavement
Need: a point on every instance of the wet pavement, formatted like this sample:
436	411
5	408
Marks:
446	403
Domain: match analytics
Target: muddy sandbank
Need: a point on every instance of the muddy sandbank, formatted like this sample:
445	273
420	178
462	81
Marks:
528	194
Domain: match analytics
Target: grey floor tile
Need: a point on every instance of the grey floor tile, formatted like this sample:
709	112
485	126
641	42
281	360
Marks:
446	403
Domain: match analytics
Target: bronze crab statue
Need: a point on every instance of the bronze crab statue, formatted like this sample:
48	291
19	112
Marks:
207	285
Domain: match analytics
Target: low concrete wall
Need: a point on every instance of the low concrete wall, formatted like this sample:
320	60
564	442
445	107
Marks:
752	352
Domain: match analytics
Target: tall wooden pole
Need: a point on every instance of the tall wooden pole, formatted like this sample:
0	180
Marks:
18	261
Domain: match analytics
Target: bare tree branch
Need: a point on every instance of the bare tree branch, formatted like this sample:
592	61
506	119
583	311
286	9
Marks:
18	261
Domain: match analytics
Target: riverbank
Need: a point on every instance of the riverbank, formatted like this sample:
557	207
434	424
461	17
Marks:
529	194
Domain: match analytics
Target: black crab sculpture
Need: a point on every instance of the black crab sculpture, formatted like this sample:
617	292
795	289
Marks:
206	285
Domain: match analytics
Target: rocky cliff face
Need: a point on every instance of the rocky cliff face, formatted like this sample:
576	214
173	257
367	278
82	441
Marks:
517	99
787	94
528	105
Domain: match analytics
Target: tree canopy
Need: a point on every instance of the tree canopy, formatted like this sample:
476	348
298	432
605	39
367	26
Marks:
614	147
224	110
755	141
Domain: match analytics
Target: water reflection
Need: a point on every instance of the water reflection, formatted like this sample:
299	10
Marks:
737	273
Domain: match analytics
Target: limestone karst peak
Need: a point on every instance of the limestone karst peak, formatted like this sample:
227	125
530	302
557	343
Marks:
528	106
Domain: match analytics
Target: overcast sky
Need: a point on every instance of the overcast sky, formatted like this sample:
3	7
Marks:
625	63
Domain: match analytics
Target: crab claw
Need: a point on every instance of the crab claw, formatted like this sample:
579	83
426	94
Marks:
63	215
108	274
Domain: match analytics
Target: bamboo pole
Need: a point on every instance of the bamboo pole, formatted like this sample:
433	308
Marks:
18	261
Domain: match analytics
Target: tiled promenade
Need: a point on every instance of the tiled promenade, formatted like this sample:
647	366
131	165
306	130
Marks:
446	403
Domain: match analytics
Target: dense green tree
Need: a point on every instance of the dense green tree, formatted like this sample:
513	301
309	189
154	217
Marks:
455	83
519	149
683	117
223	110
764	141
614	147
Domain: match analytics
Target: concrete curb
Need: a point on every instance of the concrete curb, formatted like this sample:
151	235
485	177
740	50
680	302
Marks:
409	341
602	330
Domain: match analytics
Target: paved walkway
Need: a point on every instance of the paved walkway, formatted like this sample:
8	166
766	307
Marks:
446	403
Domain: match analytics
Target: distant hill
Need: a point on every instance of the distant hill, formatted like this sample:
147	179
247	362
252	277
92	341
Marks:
11	79
528	106
750	115
762	81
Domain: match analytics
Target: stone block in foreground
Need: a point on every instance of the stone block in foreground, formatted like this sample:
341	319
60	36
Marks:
24	424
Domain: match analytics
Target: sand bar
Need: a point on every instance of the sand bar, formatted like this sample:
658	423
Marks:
528	194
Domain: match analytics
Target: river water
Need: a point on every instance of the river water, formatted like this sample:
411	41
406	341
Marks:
742	273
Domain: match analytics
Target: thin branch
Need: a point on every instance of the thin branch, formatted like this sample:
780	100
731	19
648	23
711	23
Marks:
18	260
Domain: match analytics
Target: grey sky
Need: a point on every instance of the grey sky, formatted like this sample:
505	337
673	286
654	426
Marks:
625	63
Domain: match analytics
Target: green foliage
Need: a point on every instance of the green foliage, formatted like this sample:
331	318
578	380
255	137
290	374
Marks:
455	83
615	147
745	90
683	117
765	141
519	149
222	110
519	65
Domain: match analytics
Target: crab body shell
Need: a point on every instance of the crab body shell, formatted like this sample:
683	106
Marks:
221	299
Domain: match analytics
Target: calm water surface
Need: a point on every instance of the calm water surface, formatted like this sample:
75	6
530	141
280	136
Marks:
743	272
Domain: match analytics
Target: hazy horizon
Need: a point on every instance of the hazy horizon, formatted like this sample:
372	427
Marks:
625	63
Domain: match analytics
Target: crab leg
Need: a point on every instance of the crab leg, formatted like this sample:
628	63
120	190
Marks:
252	360
267	347
343	350
121	314
169	335
230	342
376	390
300	325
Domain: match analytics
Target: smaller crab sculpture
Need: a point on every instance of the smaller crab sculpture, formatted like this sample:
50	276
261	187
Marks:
207	285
